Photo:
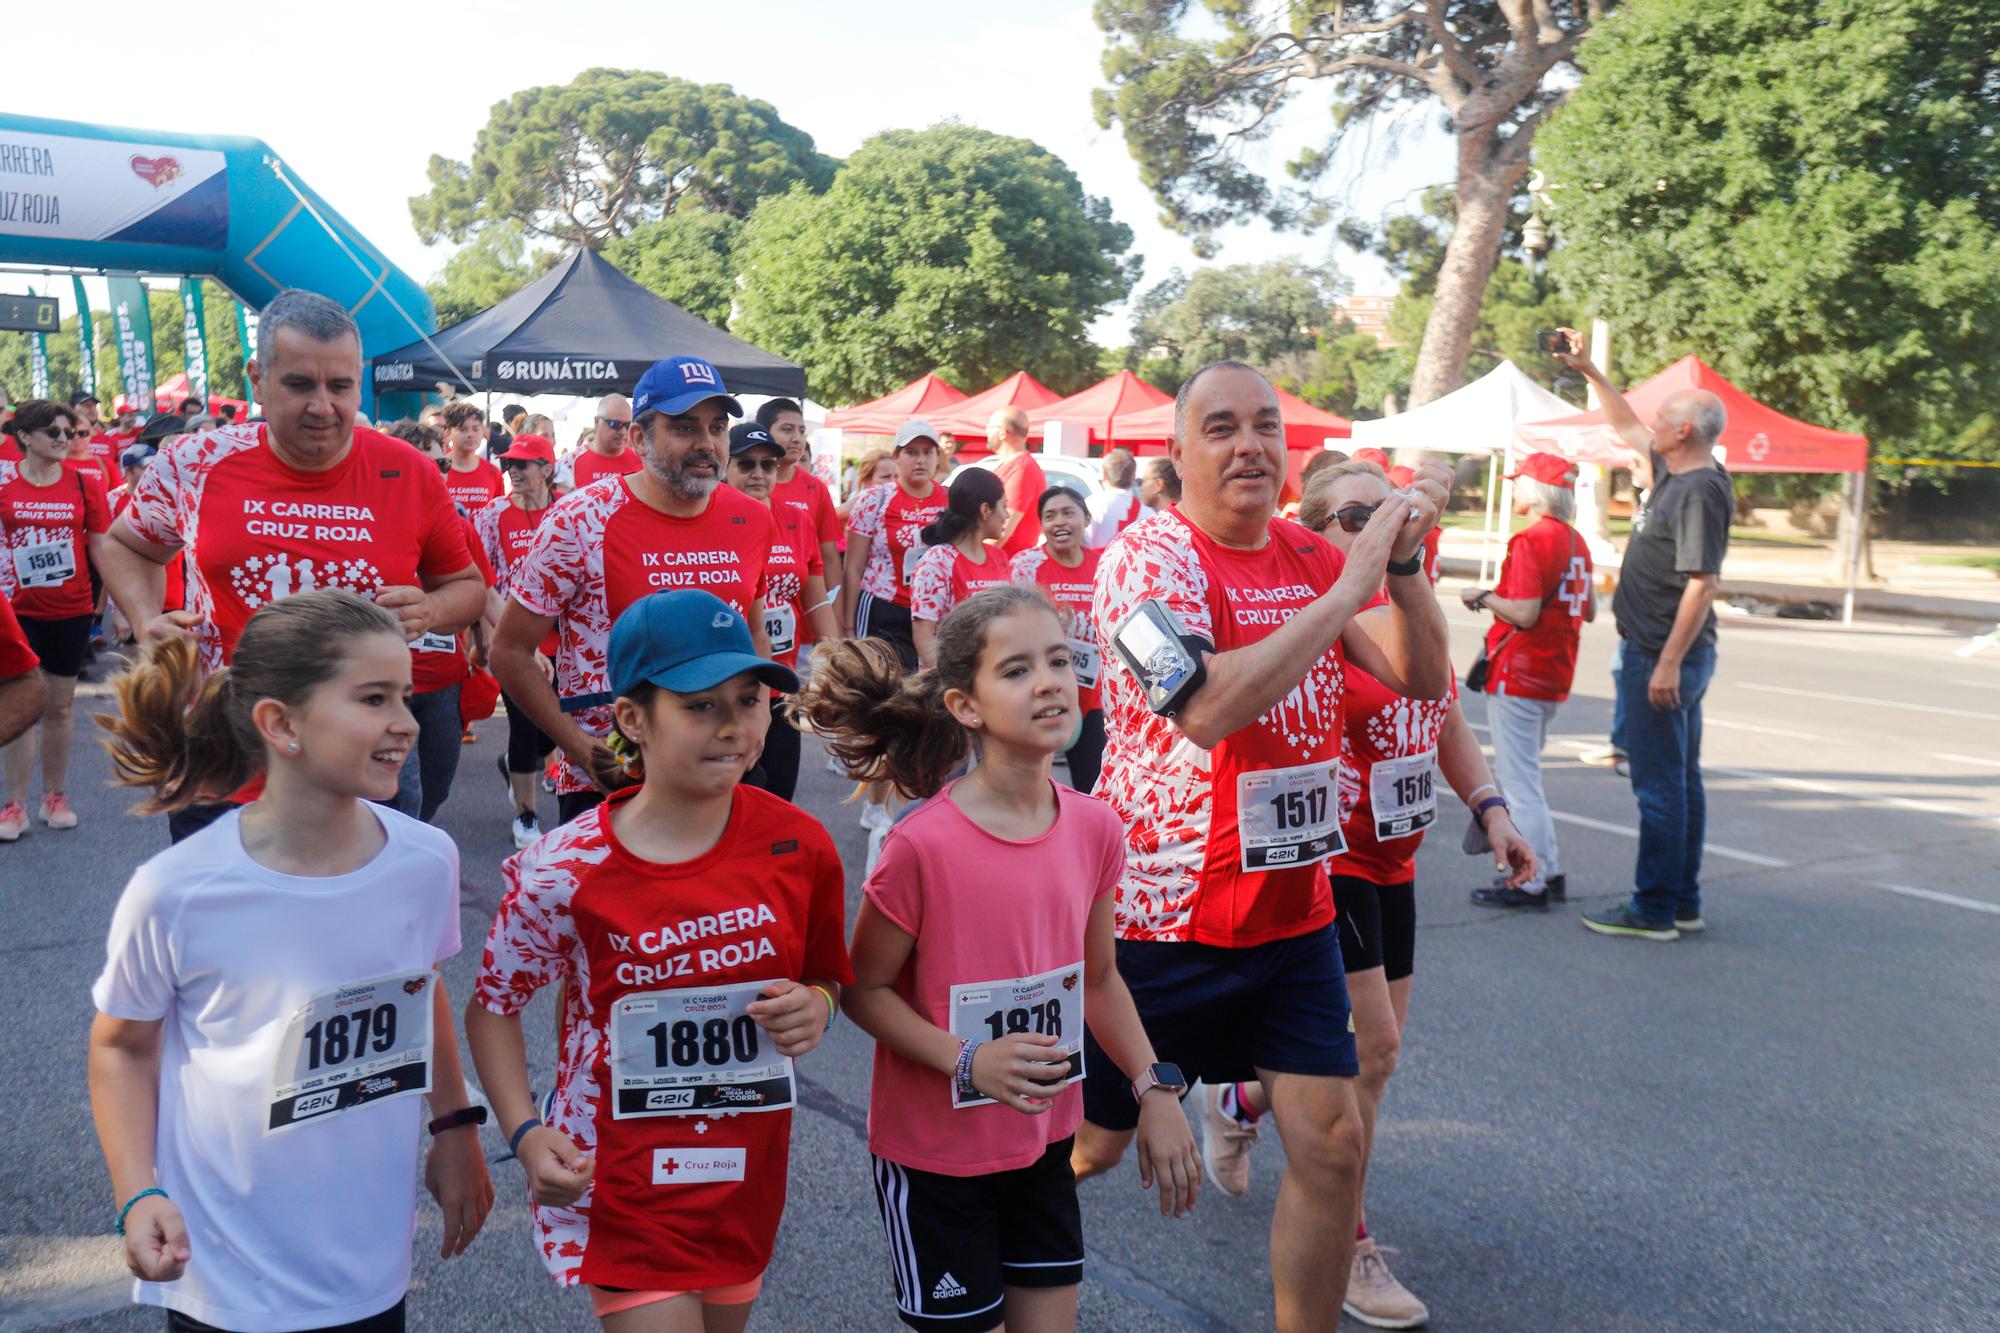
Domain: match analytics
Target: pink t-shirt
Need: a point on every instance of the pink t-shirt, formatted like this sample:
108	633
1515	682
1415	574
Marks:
983	909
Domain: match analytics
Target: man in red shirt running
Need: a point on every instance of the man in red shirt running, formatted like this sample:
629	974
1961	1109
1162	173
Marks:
306	499
609	454
1229	797
1007	432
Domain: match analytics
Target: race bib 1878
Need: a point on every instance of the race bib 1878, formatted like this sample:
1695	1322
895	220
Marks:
1288	817
351	1046
1050	1004
694	1052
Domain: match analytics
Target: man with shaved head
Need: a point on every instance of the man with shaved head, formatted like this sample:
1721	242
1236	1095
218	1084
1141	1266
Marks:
1666	619
1007	433
608	455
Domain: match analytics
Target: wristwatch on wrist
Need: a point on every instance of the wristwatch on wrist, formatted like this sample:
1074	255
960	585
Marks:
1479	811
464	1115
1163	1075
1414	565
1484	593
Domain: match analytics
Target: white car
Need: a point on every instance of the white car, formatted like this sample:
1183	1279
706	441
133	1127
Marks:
1085	476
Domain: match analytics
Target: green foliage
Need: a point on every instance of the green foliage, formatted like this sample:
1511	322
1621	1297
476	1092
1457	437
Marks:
1247	312
949	248
686	257
1804	192
590	161
1345	372
485	271
225	350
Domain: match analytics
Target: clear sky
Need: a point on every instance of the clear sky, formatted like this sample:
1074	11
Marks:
356	97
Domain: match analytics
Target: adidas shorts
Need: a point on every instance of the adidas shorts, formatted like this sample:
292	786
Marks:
955	1242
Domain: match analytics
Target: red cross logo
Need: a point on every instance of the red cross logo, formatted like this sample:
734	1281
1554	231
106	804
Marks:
669	1166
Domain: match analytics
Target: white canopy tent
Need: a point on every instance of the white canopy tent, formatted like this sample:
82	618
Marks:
1478	419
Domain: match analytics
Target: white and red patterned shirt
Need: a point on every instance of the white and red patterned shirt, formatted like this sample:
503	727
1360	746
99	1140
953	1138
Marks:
795	558
1379	725
600	549
1073	591
893	520
506	531
765	903
255	530
1184	873
945	578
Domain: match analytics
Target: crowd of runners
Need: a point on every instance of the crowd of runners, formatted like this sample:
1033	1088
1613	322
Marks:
1250	713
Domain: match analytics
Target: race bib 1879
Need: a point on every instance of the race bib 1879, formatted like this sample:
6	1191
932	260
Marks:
1050	1004
351	1046
1288	817
694	1052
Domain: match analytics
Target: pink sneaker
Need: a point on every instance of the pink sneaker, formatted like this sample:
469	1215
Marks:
1373	1294
13	821
56	812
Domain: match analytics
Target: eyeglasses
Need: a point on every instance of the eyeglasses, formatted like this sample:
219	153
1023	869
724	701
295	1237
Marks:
1353	518
769	465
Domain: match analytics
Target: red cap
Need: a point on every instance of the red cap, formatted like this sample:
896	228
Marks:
1375	456
1549	469
531	449
1402	476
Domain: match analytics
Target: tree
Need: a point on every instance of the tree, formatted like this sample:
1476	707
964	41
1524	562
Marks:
1246	312
587	162
950	248
485	271
686	257
1807	194
1189	101
225	350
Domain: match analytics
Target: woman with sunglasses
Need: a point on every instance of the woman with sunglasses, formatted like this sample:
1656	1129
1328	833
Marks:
795	591
506	530
53	524
1391	748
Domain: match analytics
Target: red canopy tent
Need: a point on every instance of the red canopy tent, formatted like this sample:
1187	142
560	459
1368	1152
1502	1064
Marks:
170	393
1102	405
1306	427
967	419
1757	438
919	398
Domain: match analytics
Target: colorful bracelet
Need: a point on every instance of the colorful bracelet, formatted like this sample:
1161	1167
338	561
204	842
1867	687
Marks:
831	1007
134	1199
962	1078
520	1131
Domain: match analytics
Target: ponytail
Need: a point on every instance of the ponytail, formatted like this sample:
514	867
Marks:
884	726
188	738
970	491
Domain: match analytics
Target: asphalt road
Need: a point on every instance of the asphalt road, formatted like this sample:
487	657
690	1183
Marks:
1785	1123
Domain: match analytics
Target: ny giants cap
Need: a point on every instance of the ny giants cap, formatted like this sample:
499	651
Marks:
686	640
1549	469
913	430
676	384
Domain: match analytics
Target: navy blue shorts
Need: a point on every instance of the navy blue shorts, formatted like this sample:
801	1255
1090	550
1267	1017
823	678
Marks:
1223	1014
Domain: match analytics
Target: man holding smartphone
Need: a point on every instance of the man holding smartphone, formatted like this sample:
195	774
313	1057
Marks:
1222	761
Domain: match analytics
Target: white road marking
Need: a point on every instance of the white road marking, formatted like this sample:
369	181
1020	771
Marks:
1626	831
1975	684
1848	793
1873	703
1966	759
1764	731
1948	899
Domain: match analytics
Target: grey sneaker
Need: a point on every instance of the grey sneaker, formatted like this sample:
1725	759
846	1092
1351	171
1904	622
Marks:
1373	1294
1689	923
1622	920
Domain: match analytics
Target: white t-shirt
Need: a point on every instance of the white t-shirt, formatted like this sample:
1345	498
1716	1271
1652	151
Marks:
308	1225
1110	512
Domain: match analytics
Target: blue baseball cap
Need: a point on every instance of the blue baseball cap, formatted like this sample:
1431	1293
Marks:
686	640
676	384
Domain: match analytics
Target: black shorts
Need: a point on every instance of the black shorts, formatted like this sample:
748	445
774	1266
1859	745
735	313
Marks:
879	618
63	645
1378	925
956	1242
389	1321
1223	1014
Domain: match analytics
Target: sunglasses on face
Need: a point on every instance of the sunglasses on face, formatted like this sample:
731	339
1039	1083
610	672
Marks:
1353	518
769	465
614	423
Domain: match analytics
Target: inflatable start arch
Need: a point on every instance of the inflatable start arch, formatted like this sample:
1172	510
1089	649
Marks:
100	199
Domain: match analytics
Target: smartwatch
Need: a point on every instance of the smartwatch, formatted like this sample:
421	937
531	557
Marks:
1414	565
1161	1075
1162	657
464	1115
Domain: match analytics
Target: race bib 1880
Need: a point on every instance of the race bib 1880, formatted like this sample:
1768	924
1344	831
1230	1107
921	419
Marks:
1050	1004
694	1052
1288	816
351	1046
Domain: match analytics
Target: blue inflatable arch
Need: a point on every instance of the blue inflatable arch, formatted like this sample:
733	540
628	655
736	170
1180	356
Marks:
101	199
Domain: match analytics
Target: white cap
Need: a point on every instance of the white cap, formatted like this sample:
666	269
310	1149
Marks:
915	429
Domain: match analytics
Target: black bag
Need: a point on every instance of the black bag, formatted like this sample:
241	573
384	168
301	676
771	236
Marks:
1475	675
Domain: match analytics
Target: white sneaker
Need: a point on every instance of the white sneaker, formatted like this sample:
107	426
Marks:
526	829
875	815
1373	1294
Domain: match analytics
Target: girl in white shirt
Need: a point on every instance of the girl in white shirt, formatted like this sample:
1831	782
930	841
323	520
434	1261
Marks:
269	1008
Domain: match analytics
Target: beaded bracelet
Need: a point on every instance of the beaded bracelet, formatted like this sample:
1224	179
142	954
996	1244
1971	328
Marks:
134	1199
962	1078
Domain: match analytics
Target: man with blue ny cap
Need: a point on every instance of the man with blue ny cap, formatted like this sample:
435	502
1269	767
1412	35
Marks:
602	548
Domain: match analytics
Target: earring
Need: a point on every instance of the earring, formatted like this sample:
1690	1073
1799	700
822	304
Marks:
293	748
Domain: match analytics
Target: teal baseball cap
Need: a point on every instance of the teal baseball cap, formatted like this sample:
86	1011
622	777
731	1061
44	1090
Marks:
686	640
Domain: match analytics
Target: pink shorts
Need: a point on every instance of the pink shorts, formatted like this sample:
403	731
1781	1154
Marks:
605	1301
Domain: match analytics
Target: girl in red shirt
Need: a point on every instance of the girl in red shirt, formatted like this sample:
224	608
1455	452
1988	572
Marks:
957	560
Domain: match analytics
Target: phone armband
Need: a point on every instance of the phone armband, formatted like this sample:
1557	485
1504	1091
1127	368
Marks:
1164	658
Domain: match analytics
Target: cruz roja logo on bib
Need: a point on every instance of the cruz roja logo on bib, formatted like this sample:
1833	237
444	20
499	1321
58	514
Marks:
691	1166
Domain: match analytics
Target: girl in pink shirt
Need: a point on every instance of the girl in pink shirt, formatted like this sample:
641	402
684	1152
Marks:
983	945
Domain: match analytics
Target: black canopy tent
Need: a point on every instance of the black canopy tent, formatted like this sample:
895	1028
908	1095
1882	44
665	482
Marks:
581	328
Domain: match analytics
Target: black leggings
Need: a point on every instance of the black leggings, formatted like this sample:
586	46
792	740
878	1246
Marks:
389	1321
527	747
777	769
1086	756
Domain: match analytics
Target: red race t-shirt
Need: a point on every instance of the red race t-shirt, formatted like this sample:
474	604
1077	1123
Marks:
795	557
893	520
589	465
1073	591
945	577
680	1201
105	447
1223	847
506	530
1548	560
1389	779
808	495
474	488
1022	477
16	658
47	538
256	530
439	660
600	549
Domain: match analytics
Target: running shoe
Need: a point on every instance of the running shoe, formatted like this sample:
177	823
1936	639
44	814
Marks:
1602	756
1499	895
1225	1144
1622	920
1689	923
465	737
876	837
13	821
1373	1294
1558	888
527	828
549	774
56	812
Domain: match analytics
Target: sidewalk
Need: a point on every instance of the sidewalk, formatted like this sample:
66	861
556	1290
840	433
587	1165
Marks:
1907	584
